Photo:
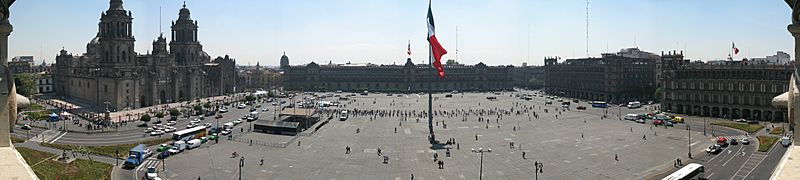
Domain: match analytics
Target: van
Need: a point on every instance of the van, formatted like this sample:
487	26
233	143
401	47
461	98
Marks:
194	143
634	104
631	117
227	125
786	141
177	147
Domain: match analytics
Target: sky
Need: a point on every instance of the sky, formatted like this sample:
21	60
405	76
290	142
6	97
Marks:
496	32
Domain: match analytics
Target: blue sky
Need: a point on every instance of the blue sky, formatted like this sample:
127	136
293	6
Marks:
377	31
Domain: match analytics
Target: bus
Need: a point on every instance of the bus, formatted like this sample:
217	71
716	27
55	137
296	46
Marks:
191	133
599	104
691	171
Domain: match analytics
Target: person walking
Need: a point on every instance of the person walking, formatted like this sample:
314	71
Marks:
523	155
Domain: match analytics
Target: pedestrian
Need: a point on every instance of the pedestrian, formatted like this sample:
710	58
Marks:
616	158
644	137
523	155
458	146
412	176
476	137
347	150
379	151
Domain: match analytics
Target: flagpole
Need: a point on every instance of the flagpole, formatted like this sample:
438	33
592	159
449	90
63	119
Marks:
430	95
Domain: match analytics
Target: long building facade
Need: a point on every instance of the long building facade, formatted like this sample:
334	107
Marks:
112	74
732	90
394	78
628	75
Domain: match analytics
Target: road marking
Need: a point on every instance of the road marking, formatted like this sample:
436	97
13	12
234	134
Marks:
59	137
734	156
695	143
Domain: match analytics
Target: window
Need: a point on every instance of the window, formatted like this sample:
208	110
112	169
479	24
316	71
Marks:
763	88
105	88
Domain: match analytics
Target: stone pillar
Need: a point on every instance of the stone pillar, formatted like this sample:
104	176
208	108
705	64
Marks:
8	114
793	99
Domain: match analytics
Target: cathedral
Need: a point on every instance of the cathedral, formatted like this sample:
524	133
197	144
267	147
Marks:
112	74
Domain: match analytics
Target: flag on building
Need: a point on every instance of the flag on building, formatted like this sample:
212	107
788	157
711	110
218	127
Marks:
735	50
409	48
437	51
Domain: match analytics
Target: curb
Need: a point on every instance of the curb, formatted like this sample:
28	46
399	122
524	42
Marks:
781	164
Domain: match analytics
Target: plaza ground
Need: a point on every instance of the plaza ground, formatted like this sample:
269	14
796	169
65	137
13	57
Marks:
557	143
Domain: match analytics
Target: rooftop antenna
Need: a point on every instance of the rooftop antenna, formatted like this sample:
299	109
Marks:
634	41
587	28
606	45
529	43
456	43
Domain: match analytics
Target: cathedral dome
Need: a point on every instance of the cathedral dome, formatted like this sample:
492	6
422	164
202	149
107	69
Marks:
184	13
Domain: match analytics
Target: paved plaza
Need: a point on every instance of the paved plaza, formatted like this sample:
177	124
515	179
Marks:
579	144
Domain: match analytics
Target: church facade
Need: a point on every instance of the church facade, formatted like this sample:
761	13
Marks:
111	73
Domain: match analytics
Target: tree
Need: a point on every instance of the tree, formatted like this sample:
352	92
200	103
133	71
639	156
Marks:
145	118
451	62
250	98
657	95
160	115
198	107
26	83
174	112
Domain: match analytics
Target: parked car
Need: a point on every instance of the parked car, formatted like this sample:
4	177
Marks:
658	122
171	123
745	141
548	102
640	120
156	133
581	107
26	127
223	110
264	109
741	120
734	142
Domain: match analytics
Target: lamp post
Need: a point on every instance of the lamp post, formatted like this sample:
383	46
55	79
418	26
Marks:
689	129
241	164
704	126
480	150
537	169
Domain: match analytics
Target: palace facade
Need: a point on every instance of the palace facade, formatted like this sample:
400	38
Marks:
394	78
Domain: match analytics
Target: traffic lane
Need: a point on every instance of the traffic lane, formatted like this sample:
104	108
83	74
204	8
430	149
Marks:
22	133
765	168
725	164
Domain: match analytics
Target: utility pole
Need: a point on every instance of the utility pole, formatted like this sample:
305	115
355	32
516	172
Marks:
689	128
241	164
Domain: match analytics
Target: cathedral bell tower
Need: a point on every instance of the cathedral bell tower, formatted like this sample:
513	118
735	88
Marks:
184	42
116	36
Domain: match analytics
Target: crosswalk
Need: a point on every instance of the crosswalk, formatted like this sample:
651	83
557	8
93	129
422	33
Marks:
150	162
752	162
737	137
49	136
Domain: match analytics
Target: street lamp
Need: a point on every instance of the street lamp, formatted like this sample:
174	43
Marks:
537	169
704	126
689	129
241	164
480	150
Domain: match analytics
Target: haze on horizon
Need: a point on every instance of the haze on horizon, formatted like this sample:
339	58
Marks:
367	31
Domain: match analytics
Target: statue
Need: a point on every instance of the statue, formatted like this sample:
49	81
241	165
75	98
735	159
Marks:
795	5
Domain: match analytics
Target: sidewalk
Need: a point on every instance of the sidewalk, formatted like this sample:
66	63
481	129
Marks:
35	146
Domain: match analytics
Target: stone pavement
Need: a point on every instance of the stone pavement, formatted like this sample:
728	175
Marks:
569	147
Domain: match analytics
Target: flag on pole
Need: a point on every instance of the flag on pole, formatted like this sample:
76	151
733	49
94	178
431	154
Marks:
436	49
735	50
409	48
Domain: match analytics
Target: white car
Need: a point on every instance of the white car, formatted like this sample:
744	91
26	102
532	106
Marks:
152	174
171	123
191	125
241	106
170	129
195	121
156	133
149	130
225	132
236	122
264	109
207	125
223	110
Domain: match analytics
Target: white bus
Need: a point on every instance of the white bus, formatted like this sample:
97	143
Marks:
188	134
691	171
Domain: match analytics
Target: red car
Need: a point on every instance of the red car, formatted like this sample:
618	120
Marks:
658	122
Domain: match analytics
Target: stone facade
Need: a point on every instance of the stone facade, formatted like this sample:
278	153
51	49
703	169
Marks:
732	90
615	77
394	78
110	71
529	77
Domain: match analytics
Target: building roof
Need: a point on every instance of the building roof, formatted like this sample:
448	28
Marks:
299	111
